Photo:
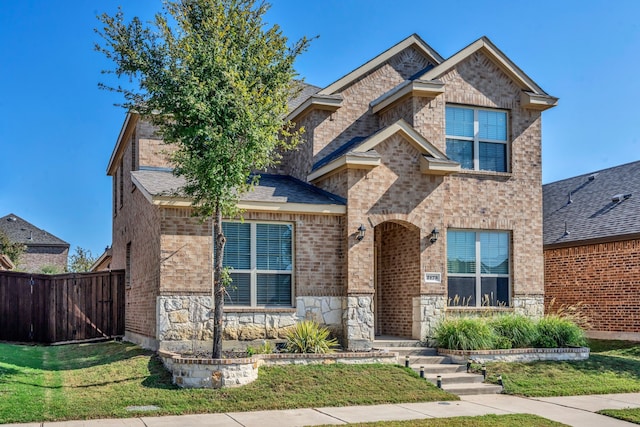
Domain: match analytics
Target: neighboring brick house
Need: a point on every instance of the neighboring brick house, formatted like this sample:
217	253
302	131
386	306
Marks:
42	249
416	192
592	248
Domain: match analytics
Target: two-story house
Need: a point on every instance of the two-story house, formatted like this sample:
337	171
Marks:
416	193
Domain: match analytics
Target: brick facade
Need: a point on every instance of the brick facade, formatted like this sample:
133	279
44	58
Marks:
376	282
604	278
35	258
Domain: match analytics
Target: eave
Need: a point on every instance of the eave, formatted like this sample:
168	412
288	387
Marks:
121	143
421	88
348	161
534	101
316	102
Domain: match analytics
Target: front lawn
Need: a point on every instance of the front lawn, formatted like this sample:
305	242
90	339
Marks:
632	415
84	381
482	421
613	367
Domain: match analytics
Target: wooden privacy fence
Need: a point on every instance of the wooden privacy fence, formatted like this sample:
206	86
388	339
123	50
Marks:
63	307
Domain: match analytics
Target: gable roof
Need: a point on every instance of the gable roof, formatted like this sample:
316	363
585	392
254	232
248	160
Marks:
361	151
413	40
603	205
20	231
281	193
533	96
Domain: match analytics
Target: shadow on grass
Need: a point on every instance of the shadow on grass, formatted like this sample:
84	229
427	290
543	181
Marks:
21	363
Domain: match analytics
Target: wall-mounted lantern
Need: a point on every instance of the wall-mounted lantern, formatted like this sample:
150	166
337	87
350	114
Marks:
433	237
361	231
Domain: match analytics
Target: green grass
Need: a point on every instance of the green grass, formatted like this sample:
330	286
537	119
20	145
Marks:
613	367
483	421
632	415
88	381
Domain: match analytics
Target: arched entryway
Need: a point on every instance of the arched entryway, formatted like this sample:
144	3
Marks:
397	277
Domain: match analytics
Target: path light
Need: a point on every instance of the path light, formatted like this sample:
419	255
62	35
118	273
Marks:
484	372
361	230
439	381
421	371
468	365
406	362
500	381
434	235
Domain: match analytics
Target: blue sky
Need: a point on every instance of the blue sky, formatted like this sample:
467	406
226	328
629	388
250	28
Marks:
57	129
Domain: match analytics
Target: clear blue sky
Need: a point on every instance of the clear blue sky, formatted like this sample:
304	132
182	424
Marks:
57	129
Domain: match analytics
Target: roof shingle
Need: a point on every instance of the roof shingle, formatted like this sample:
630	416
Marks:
584	205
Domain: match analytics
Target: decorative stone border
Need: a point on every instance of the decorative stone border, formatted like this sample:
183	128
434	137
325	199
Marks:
198	372
516	354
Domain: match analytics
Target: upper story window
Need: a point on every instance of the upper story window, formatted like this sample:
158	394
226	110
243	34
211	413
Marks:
260	256
478	268
477	138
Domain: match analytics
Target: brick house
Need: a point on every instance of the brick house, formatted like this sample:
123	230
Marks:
592	248
42	249
416	192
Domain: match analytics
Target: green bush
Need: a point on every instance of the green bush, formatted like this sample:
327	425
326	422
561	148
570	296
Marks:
516	330
465	334
508	331
555	331
308	337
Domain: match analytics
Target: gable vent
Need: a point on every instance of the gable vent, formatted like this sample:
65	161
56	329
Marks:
592	176
620	197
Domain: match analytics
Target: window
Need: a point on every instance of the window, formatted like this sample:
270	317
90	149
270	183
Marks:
260	258
477	138
478	268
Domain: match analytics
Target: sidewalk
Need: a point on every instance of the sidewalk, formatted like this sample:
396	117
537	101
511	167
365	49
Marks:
571	410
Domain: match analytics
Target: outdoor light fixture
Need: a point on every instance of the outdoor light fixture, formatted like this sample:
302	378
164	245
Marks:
361	231
434	235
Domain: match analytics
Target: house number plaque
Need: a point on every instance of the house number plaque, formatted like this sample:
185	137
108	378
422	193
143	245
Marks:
432	277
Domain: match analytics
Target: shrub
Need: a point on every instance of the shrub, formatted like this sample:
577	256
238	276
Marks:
465	334
516	330
555	331
308	337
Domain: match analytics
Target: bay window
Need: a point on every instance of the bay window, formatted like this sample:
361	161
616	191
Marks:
478	268
260	258
477	138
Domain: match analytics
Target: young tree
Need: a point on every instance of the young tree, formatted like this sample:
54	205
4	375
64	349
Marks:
81	260
215	80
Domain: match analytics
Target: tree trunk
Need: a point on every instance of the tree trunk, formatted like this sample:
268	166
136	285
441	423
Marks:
218	285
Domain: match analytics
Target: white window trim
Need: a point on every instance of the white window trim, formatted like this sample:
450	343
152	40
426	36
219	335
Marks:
478	275
254	271
477	140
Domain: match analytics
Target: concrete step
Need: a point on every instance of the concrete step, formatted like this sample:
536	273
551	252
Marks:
439	368
429	360
472	388
409	351
396	342
455	378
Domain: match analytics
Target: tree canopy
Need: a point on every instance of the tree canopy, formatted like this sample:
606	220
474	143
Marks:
215	79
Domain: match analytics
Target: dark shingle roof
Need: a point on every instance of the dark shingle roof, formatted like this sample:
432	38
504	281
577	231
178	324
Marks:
271	188
20	231
584	203
306	90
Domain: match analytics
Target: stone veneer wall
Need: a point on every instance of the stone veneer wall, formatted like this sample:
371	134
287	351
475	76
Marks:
428	311
191	372
185	322
523	355
358	322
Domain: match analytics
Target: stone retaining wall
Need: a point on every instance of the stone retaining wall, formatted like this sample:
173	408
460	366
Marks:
516	354
194	372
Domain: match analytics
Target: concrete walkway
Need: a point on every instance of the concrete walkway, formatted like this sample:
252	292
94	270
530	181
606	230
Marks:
571	410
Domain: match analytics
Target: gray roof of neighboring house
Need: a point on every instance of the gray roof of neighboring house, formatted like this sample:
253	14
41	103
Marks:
271	188
593	206
20	231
